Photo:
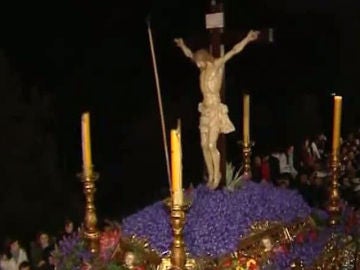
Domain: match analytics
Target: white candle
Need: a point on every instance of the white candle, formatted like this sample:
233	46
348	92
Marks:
336	125
86	144
246	119
176	170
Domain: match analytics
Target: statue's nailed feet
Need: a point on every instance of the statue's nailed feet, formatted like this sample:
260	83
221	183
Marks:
213	183
210	184
217	180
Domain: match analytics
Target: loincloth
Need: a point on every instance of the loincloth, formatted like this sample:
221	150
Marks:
215	116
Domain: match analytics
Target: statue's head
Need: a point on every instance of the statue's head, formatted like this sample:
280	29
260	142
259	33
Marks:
201	57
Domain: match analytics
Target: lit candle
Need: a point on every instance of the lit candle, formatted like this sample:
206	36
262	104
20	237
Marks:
86	144
176	174
336	125
246	119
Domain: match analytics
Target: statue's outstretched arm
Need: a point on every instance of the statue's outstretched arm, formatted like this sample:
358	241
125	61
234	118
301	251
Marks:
251	36
181	44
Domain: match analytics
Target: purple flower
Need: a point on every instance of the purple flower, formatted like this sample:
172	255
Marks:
71	252
218	219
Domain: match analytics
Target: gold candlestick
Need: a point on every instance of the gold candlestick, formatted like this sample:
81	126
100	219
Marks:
90	232
178	259
246	153
178	255
88	178
333	206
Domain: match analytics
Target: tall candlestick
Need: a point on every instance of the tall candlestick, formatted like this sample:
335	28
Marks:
246	119
336	125
86	144
176	174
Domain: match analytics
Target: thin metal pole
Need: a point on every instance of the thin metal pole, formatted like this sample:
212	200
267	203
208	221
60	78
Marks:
158	91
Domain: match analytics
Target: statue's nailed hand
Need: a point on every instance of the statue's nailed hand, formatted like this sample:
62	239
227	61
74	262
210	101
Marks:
179	42
253	35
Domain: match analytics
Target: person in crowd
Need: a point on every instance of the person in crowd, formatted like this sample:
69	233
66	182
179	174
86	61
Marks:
25	265
265	169
318	192
69	230
41	252
18	254
274	165
6	262
256	169
303	186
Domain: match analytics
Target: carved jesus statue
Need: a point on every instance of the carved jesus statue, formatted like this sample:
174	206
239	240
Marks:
213	114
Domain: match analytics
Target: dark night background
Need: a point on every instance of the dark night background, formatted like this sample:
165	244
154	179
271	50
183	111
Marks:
60	58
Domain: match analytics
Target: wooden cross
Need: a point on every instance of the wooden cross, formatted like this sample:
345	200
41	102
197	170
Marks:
217	38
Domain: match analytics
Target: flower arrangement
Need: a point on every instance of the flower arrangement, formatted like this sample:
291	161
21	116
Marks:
115	253
71	253
218	219
215	224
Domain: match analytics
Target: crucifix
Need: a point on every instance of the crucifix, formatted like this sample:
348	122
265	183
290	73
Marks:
214	120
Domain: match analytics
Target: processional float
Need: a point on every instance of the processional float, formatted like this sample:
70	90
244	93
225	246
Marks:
178	257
